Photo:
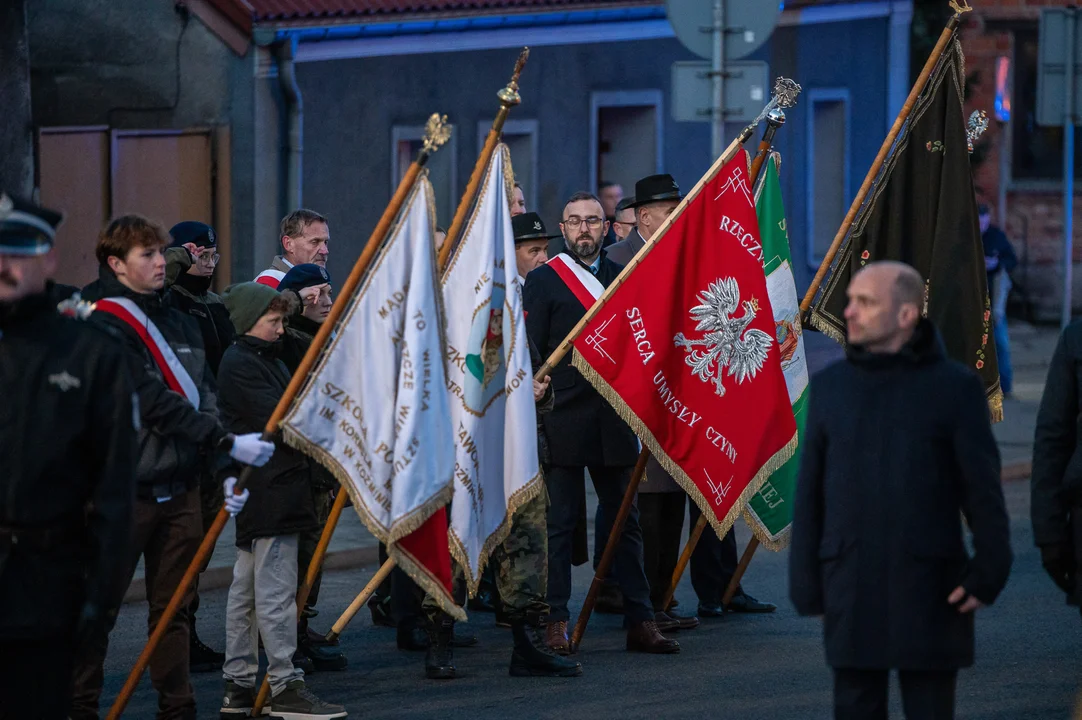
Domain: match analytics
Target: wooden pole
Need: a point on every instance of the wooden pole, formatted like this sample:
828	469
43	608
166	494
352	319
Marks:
271	428
775	120
358	602
610	550
839	237
509	97
884	151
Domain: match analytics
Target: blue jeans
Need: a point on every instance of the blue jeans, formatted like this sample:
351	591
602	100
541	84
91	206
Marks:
1003	355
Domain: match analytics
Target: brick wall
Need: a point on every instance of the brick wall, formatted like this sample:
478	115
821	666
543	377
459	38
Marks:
1034	217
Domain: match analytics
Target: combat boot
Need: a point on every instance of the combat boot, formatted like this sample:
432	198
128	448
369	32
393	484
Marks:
440	660
532	657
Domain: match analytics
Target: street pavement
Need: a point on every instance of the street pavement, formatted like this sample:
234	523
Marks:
1029	644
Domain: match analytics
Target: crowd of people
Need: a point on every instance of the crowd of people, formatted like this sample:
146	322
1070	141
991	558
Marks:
134	404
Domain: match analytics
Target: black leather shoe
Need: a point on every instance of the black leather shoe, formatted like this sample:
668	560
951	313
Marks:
381	613
462	641
744	603
440	660
531	657
202	658
303	662
665	623
323	657
711	610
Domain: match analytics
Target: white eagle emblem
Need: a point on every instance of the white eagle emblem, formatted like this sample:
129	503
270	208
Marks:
727	341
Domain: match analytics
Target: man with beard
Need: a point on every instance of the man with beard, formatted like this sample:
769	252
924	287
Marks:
304	235
67	450
189	271
583	430
179	437
312	285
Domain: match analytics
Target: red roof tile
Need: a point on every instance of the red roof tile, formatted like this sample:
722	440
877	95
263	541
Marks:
277	11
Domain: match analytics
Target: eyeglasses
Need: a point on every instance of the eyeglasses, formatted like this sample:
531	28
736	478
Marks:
209	258
575	221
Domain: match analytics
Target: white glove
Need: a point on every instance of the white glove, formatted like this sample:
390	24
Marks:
250	450
234	503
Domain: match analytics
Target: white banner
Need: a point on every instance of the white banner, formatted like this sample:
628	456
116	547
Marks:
375	411
489	377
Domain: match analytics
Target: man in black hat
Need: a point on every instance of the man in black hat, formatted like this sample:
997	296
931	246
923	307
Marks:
583	430
67	485
531	242
189	270
661	502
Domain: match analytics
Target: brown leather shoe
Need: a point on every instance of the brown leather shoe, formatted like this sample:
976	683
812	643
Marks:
683	622
665	623
645	637
556	637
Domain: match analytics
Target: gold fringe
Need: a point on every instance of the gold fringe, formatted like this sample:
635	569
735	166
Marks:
995	404
827	328
647	437
520	498
774	543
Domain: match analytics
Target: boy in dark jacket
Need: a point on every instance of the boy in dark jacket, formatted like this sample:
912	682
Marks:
263	593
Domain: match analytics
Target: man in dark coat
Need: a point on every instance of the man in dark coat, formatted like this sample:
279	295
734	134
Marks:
67	483
189	270
1056	507
179	436
583	430
898	449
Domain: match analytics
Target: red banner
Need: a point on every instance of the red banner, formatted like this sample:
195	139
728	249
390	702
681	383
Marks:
685	350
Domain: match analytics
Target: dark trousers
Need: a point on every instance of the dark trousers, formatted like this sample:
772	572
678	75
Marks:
662	517
862	694
713	562
167	536
211	497
306	547
35	678
567	497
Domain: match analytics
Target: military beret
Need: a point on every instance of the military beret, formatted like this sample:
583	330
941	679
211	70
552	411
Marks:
191	231
25	228
305	275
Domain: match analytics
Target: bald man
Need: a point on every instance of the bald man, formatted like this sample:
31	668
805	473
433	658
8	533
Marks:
897	448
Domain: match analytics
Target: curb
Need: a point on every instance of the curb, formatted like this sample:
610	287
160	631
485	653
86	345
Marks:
216	578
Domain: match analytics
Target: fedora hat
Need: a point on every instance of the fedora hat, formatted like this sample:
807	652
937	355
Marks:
655	188
528	226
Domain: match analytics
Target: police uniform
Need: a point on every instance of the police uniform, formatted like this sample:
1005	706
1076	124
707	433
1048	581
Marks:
67	485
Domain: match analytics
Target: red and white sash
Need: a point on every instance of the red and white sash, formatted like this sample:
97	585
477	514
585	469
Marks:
176	377
580	281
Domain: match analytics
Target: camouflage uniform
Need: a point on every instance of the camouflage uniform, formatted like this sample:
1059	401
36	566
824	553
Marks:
522	560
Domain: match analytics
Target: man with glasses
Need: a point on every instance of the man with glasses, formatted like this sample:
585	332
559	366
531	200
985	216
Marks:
190	263
583	430
624	221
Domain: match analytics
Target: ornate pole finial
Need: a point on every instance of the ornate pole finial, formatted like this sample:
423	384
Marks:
960	9
509	95
785	95
978	123
437	132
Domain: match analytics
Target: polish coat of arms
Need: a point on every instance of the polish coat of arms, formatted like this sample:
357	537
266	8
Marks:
727	342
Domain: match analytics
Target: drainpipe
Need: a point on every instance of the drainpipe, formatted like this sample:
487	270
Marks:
284	52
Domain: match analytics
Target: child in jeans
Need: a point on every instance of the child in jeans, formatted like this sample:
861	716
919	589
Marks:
262	598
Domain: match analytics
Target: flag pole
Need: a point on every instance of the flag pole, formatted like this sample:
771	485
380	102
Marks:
437	134
869	181
509	97
784	95
362	597
884	151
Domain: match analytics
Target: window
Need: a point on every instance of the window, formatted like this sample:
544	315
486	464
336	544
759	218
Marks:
406	142
520	137
626	137
1036	151
828	169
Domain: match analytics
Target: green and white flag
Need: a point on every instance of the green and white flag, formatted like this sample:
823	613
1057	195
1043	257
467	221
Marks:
770	512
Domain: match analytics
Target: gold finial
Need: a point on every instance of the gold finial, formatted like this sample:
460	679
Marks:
437	132
960	9
509	95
